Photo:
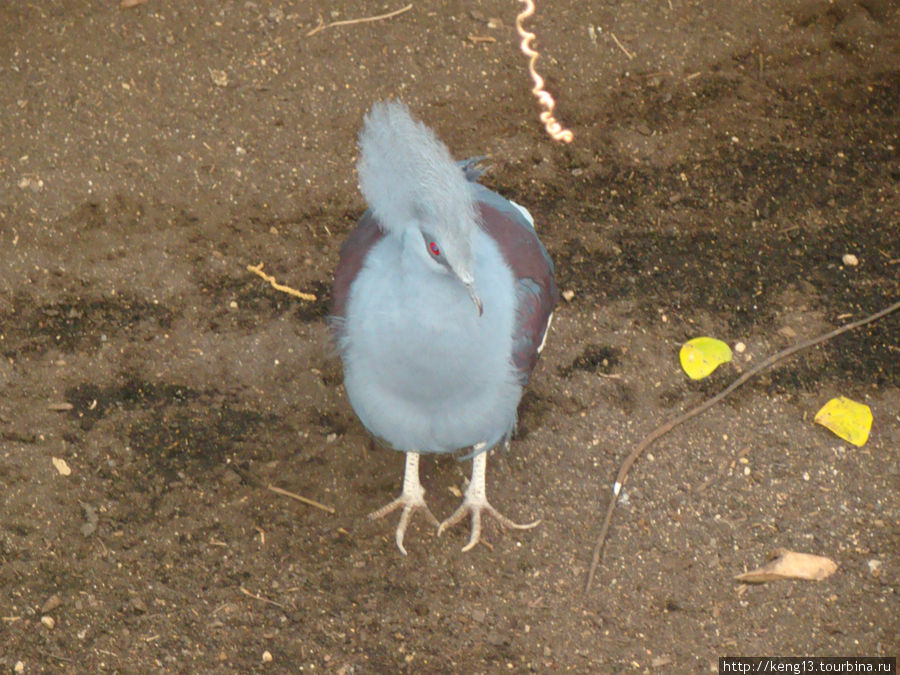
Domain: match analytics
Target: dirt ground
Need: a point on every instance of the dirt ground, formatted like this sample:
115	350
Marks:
727	155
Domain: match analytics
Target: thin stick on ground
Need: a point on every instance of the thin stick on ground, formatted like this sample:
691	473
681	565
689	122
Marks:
257	270
262	599
304	500
366	19
248	477
622	47
632	457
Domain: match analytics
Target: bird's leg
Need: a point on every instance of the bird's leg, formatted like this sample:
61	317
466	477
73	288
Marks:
475	501
411	499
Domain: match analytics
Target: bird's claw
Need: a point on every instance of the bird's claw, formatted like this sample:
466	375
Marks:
410	504
476	508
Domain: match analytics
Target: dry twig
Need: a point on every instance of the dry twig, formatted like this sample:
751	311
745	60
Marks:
622	47
262	599
248	477
632	457
257	270
305	500
57	657
554	128
366	19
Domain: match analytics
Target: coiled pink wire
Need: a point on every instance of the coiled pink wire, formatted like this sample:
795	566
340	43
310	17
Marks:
553	127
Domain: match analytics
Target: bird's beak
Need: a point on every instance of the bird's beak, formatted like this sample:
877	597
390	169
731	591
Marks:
473	293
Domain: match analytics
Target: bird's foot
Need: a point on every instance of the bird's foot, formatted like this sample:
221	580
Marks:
410	502
476	505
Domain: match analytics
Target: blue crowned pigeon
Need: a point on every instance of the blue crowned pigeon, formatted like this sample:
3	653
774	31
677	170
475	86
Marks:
441	302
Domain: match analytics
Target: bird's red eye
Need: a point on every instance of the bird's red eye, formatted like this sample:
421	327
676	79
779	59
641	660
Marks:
435	251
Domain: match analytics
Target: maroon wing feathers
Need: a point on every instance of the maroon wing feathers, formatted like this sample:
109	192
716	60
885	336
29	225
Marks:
536	292
353	256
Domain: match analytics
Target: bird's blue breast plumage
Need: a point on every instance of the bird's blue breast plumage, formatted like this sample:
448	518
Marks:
426	370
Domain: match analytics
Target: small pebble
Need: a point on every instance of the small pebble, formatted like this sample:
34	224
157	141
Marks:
267	656
219	77
19	667
48	622
850	260
875	567
740	347
29	183
494	638
568	295
52	603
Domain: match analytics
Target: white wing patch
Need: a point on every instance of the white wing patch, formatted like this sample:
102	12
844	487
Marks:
546	329
524	212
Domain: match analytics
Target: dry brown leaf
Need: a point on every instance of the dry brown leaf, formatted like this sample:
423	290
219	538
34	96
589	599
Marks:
219	77
61	466
791	565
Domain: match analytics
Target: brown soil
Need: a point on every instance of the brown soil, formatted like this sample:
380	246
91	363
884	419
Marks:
715	182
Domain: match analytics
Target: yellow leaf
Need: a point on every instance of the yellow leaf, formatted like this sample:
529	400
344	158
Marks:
702	355
848	419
